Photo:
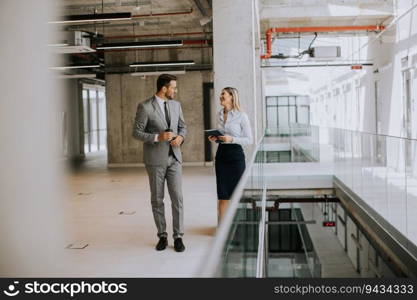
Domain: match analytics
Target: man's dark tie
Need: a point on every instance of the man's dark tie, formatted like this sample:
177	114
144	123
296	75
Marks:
171	152
167	114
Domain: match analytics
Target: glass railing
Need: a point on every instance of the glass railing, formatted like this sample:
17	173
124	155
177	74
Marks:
236	250
380	169
300	141
246	241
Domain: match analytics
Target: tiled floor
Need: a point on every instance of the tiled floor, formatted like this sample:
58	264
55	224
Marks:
122	245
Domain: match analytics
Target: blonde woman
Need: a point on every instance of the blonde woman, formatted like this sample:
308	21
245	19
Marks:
230	158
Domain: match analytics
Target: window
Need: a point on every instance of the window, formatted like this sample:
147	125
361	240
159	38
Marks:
95	123
281	111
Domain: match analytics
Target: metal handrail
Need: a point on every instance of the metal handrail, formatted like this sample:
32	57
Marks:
310	268
343	129
260	261
214	253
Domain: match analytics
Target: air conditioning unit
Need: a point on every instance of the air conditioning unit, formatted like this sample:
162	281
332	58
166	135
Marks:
326	52
74	42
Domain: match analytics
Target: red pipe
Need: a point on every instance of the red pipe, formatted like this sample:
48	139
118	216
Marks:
155	35
268	33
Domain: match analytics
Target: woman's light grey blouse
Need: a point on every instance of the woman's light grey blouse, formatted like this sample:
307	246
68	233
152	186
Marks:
237	126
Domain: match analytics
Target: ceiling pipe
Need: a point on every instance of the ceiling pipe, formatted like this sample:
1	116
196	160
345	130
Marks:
153	49
197	42
105	4
270	31
188	12
155	35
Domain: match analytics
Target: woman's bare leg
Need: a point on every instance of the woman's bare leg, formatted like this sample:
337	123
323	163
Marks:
222	207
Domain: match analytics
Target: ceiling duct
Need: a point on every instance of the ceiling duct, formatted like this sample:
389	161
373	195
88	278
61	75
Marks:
74	42
326	52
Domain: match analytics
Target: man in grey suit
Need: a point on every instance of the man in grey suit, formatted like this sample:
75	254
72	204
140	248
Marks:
160	125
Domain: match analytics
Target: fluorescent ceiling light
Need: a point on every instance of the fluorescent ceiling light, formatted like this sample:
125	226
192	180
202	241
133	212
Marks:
155	44
163	63
58	45
99	80
75	67
157	73
73	49
93	18
74	76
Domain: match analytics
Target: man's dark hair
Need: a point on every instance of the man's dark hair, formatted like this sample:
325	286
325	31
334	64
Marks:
164	80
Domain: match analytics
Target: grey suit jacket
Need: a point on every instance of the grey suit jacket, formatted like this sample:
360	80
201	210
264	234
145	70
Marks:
149	122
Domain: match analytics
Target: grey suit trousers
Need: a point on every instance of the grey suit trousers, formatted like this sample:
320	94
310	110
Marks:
172	173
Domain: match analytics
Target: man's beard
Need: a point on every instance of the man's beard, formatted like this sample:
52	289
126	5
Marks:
169	97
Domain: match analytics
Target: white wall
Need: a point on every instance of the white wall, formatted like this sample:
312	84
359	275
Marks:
340	105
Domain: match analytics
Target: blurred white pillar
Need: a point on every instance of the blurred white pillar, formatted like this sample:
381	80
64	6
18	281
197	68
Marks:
236	54
30	198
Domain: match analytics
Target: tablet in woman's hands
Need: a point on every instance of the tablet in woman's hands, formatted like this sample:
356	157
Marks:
214	132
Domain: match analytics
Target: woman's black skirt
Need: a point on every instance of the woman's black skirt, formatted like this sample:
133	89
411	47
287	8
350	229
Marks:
230	165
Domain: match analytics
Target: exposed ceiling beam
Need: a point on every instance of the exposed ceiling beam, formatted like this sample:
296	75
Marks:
203	10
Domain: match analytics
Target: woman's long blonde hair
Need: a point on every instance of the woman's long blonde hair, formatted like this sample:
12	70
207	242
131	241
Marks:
235	97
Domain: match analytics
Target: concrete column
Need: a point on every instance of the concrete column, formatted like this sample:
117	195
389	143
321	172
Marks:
237	55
